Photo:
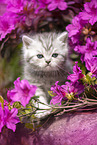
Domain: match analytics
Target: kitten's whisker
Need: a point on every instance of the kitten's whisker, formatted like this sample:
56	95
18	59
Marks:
62	74
62	68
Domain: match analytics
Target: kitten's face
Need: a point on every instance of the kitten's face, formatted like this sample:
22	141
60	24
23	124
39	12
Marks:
46	51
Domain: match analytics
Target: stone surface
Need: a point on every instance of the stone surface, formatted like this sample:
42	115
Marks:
79	128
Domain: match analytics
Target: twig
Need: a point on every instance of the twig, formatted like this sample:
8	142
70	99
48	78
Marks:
93	96
72	106
91	100
95	89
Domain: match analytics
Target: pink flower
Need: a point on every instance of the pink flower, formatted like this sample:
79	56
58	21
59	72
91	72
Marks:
59	94
77	74
90	49
90	12
7	24
15	6
1	118
60	4
66	92
73	88
2	7
41	4
75	29
10	118
87	51
91	65
9	98
22	92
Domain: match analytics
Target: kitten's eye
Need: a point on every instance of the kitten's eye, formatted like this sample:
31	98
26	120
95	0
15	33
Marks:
40	56
54	55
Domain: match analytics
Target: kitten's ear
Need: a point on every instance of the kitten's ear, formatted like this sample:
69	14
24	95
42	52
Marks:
63	37
26	41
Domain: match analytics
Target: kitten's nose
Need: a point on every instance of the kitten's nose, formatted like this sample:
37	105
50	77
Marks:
47	62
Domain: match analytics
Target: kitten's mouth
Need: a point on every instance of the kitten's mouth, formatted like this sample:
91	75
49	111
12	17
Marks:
47	67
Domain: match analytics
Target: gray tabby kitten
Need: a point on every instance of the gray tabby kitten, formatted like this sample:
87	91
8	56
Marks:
45	62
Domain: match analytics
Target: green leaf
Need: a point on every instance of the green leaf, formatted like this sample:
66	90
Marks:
93	79
29	125
27	111
2	102
96	82
70	96
17	105
83	68
51	93
88	79
35	97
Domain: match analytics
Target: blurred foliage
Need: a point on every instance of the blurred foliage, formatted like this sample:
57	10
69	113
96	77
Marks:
10	67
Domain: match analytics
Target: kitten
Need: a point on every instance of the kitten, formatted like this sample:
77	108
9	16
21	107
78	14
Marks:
45	62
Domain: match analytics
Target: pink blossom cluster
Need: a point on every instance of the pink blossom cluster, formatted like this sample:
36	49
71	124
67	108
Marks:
8	118
21	13
70	90
82	34
22	92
